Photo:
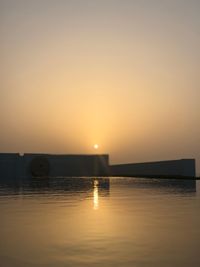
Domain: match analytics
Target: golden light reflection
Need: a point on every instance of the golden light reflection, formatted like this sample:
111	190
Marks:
95	195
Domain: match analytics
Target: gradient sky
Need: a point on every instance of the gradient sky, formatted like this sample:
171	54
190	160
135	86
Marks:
120	73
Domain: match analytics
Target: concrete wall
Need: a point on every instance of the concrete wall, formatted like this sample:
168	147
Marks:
72	165
14	166
183	167
9	165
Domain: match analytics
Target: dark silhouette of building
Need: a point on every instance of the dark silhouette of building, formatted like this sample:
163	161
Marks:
15	166
45	165
171	168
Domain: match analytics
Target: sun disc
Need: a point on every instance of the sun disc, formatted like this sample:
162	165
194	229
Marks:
96	146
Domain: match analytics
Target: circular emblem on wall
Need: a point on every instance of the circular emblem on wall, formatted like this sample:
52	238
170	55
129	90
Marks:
40	167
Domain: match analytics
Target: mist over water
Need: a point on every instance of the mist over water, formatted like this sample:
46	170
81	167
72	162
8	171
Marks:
100	222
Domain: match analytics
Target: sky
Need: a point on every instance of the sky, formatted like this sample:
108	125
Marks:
118	73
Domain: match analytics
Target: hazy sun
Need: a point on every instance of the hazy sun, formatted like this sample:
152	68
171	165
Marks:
96	146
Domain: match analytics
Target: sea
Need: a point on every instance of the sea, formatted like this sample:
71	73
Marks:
97	221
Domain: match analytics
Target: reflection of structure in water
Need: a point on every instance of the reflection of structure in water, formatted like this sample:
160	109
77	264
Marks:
164	185
67	185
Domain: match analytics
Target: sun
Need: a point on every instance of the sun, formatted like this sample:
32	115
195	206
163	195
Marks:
96	146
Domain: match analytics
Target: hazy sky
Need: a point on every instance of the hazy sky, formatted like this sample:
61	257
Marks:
124	74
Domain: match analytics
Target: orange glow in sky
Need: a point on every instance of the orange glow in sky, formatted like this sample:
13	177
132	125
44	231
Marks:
125	73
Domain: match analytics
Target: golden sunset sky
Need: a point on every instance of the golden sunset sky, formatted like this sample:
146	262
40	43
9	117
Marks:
118	73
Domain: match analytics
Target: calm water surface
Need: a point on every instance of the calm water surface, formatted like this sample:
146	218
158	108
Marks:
100	222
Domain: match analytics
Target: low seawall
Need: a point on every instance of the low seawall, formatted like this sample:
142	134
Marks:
45	165
16	166
171	168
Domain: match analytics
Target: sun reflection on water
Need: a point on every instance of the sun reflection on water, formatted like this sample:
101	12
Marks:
95	195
